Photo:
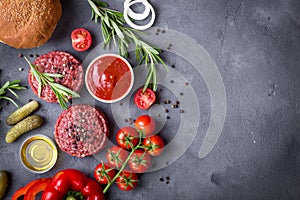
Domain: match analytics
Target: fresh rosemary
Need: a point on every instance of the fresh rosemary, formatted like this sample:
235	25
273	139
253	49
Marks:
61	92
11	86
112	25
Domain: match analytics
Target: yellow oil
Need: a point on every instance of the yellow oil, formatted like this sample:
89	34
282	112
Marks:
39	153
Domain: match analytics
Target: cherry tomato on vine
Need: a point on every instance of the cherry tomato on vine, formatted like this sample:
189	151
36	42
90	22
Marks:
103	173
127	137
144	100
146	124
140	161
127	181
153	145
81	39
116	156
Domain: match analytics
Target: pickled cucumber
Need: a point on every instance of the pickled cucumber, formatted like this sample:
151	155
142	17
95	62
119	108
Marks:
22	112
3	183
27	124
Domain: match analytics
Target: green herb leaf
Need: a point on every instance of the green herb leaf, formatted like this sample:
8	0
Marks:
65	89
10	87
112	22
9	99
54	75
61	92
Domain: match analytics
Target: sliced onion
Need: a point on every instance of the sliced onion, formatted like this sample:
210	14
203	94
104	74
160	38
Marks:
133	25
134	15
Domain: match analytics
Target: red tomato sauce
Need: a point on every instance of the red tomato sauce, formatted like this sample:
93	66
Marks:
109	78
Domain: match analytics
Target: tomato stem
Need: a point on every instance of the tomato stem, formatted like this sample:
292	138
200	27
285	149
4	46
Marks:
125	163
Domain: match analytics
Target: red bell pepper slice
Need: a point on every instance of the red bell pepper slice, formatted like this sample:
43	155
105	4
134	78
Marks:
23	190
36	188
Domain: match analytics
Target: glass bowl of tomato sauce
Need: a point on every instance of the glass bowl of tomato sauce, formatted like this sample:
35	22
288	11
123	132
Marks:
109	78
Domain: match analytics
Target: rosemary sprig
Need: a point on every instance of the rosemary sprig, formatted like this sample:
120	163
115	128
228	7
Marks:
61	92
112	23
10	87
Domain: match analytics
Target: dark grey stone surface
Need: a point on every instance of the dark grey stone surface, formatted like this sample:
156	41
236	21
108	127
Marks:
255	45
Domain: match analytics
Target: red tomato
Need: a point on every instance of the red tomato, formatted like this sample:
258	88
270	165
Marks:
144	100
81	39
127	181
127	137
103	173
146	124
140	161
116	156
154	145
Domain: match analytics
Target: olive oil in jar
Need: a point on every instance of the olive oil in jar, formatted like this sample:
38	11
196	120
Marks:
38	153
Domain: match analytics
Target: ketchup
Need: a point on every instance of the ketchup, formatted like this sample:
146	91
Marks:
109	78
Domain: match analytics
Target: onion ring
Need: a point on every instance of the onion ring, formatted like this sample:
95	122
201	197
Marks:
138	16
133	25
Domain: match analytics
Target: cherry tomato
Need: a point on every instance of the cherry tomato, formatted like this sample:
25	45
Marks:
144	100
81	39
127	181
140	161
103	173
146	124
116	156
127	137
154	145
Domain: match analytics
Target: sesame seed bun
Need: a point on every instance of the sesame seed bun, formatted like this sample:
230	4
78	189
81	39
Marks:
26	24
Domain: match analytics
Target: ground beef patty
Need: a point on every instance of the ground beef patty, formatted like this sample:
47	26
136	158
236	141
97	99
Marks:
57	62
81	130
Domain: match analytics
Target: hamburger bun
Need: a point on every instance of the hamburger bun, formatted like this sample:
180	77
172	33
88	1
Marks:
26	24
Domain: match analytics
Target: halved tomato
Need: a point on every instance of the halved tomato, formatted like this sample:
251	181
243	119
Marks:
81	39
144	100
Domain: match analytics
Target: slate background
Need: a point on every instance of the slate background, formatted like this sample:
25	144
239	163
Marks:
255	45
